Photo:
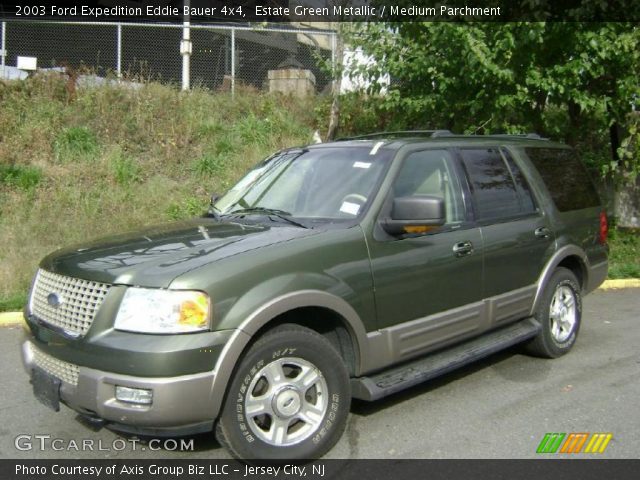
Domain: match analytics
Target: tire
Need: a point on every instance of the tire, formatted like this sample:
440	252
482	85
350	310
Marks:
560	314
288	399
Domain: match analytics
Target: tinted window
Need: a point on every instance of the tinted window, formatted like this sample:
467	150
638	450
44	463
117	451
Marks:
566	178
527	203
493	189
429	173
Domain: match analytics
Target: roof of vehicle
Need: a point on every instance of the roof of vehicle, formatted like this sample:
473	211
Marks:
398	139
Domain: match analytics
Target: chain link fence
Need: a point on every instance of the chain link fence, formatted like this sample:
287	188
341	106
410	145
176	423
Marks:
222	57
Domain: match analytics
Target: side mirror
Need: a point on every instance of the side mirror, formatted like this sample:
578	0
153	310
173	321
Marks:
415	214
211	212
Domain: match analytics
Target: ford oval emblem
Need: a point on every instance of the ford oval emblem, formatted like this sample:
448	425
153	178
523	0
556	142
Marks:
55	300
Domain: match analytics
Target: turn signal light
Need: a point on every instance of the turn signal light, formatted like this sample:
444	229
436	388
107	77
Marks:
194	311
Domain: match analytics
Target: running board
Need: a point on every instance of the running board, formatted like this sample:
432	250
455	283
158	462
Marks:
407	375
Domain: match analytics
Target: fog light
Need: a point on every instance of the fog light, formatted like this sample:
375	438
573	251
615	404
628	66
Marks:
140	396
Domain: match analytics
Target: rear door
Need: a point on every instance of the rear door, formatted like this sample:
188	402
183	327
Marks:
517	237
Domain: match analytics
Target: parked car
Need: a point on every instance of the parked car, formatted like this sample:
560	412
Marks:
350	269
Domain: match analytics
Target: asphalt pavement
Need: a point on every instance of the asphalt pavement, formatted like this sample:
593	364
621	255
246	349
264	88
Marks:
499	408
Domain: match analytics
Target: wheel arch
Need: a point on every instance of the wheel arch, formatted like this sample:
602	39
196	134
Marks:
349	335
570	257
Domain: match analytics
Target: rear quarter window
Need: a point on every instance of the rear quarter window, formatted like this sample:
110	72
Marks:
566	178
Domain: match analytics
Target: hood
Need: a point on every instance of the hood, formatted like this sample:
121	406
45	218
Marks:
154	256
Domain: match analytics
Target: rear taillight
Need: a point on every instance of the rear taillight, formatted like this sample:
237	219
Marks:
604	228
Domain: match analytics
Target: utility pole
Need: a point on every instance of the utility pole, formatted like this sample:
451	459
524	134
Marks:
186	46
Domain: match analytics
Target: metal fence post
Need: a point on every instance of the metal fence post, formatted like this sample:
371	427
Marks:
186	48
3	47
233	61
119	53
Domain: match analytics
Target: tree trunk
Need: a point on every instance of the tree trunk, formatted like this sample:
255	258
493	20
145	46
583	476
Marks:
627	204
626	199
574	122
614	137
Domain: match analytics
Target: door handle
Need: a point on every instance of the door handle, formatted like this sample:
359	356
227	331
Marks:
463	248
542	232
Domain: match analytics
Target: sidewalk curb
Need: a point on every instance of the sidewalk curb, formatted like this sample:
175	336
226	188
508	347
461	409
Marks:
8	319
620	283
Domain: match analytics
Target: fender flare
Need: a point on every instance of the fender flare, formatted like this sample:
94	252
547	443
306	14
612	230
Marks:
235	346
552	264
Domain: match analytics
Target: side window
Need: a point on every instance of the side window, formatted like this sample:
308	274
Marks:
527	202
565	177
429	172
492	186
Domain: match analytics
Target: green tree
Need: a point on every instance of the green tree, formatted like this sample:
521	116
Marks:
572	81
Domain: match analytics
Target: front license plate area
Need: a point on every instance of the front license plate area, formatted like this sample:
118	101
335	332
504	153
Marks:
46	388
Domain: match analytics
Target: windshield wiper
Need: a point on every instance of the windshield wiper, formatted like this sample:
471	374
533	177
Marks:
281	214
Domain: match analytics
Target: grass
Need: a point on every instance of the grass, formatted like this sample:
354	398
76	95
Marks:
124	168
209	164
13	303
23	177
74	143
116	158
624	258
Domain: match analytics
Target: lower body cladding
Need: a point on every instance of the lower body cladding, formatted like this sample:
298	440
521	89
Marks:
168	406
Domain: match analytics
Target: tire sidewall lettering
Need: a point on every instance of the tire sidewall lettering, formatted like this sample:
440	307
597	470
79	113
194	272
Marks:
332	412
240	398
237	431
242	421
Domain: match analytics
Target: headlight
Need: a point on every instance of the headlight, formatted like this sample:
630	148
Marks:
151	310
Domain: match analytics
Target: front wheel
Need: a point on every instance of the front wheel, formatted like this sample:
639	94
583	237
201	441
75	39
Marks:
560	313
289	398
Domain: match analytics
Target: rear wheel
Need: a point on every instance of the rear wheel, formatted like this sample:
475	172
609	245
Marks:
289	398
560	313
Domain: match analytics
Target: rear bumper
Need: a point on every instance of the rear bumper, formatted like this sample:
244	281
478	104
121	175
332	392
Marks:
597	275
180	404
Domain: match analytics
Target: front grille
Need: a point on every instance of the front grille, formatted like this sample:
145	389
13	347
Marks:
65	371
73	305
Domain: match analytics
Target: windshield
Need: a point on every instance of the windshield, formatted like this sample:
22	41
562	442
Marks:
329	183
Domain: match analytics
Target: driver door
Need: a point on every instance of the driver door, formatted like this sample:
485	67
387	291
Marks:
428	287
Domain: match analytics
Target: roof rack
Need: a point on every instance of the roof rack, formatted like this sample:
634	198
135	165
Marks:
436	134
401	133
519	135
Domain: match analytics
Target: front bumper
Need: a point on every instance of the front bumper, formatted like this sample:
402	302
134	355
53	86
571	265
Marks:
180	404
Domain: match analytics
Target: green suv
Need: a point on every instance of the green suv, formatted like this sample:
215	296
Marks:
351	269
